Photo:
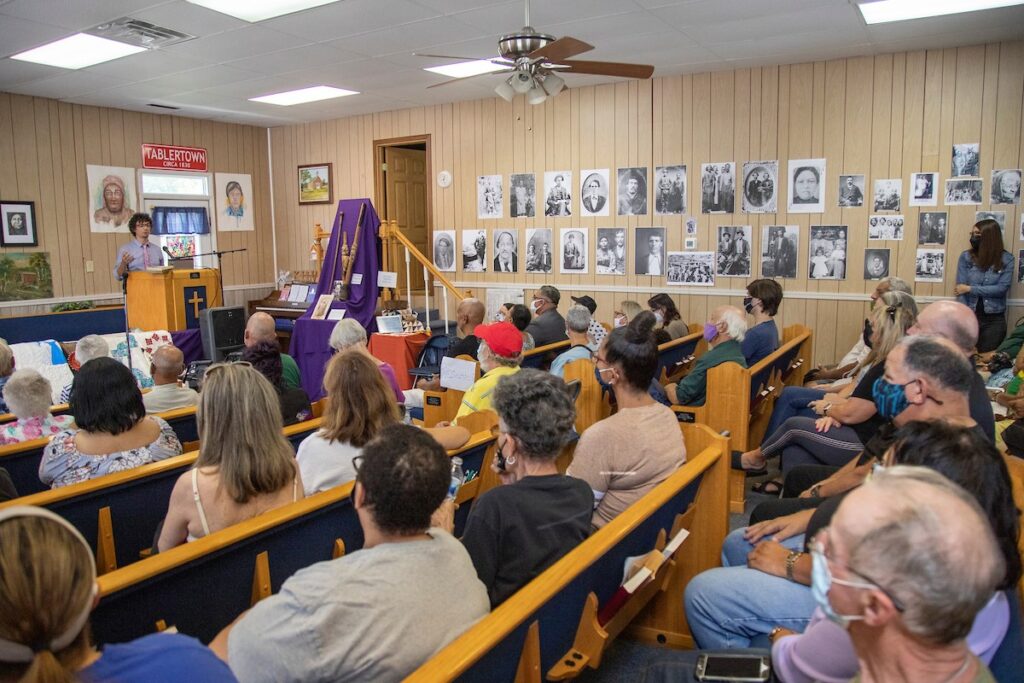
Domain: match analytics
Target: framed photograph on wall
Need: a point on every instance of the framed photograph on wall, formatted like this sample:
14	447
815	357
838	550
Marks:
315	184
19	224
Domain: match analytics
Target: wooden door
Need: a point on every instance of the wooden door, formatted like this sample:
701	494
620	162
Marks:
405	183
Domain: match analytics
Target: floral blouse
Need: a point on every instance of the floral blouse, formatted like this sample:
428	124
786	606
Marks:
33	428
63	464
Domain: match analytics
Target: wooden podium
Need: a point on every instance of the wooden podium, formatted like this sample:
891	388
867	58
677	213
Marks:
171	300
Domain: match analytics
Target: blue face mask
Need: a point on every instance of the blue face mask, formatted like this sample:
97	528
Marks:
821	583
890	399
600	380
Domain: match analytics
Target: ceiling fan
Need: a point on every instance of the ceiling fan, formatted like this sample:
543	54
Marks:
535	60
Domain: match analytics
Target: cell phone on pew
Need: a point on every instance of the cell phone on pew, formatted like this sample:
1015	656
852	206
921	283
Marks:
740	668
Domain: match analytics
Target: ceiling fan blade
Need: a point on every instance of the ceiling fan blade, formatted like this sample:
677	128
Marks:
561	49
466	78
461	59
581	66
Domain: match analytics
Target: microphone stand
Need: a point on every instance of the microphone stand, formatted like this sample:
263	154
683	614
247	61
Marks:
127	329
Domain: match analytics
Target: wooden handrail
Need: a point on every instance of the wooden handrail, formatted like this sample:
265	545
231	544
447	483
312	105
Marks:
390	230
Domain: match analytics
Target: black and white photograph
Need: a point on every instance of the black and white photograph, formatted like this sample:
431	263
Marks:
1021	231
506	251
806	186
924	189
444	250
997	216
538	250
779	246
18	221
876	264
733	257
649	248
888	194
931	227
960	192
691	227
718	187
670	190
1020	266
557	193
594	192
690	243
574	251
1005	186
610	253
691	268
885	228
851	191
522	195
760	186
474	251
827	252
632	190
966	160
488	197
931	265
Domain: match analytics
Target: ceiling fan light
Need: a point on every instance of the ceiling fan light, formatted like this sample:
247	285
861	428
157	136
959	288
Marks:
505	90
521	81
553	84
536	95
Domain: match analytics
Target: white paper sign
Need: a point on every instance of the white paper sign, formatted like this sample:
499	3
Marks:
357	278
387	279
457	374
336	314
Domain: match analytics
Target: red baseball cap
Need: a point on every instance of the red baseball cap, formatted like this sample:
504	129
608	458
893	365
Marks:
503	338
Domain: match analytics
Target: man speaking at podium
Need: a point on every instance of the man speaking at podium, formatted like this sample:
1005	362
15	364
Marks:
138	254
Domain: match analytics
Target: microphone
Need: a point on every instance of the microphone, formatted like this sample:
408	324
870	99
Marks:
167	251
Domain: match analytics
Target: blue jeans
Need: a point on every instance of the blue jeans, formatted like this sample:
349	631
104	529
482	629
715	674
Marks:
736	548
733	606
792	402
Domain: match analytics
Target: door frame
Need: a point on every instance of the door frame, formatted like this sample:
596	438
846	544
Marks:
379	186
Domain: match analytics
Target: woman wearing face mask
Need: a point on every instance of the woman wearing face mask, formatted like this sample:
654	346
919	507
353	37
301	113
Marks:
762	302
520	316
667	315
824	651
983	277
627	311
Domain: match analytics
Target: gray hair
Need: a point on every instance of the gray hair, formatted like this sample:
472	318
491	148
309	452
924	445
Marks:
938	359
347	333
537	410
577	318
933	550
512	362
27	394
6	359
897	284
89	347
735	323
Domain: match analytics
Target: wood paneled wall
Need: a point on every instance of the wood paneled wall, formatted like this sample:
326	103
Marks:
45	146
885	116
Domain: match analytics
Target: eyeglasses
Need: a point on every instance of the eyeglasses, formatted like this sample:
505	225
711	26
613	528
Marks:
214	369
357	462
819	544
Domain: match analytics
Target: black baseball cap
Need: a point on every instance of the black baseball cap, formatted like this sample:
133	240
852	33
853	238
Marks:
586	301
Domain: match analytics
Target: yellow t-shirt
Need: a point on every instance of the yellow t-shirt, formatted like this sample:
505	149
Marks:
479	395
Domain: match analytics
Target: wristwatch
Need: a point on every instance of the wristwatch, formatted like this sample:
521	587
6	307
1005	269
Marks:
824	410
816	490
774	633
791	559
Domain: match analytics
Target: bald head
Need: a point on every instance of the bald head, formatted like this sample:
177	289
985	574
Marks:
925	541
260	328
168	362
469	314
951	320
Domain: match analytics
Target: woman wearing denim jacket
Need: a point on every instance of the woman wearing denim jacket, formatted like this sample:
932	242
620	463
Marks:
983	276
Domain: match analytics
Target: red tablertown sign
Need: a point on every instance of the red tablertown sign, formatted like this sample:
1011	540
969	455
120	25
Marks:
173	158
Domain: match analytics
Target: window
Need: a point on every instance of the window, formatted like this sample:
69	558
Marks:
181	184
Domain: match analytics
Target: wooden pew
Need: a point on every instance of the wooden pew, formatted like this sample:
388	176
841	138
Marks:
793	375
540	358
119	513
740	400
59	409
548	630
1016	467
200	587
592	403
677	356
441	406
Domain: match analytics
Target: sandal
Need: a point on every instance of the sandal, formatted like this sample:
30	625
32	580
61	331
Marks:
737	464
772	487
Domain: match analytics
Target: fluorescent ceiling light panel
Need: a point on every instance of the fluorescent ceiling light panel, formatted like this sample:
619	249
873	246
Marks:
78	51
884	11
303	95
464	69
258	10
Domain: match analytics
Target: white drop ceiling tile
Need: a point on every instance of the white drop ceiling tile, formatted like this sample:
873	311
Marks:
339	74
592	30
508	17
296	59
664	47
204	77
704	12
348	18
13	71
188	18
396	78
407	37
655	4
455	6
775	49
844	23
66	85
143	66
75	14
268	85
18	35
228	46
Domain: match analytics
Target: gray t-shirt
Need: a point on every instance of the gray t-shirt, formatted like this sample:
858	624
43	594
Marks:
373	615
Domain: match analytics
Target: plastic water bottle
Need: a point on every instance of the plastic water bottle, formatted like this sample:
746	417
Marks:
458	477
1013	387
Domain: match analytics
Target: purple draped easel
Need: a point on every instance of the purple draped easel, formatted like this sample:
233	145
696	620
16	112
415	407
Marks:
309	345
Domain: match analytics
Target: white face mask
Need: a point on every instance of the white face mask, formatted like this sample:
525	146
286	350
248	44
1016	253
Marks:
535	306
659	316
620	321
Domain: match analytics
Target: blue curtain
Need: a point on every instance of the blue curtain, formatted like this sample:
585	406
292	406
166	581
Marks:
180	220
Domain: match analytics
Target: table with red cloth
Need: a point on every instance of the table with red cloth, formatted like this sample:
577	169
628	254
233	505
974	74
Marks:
400	351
